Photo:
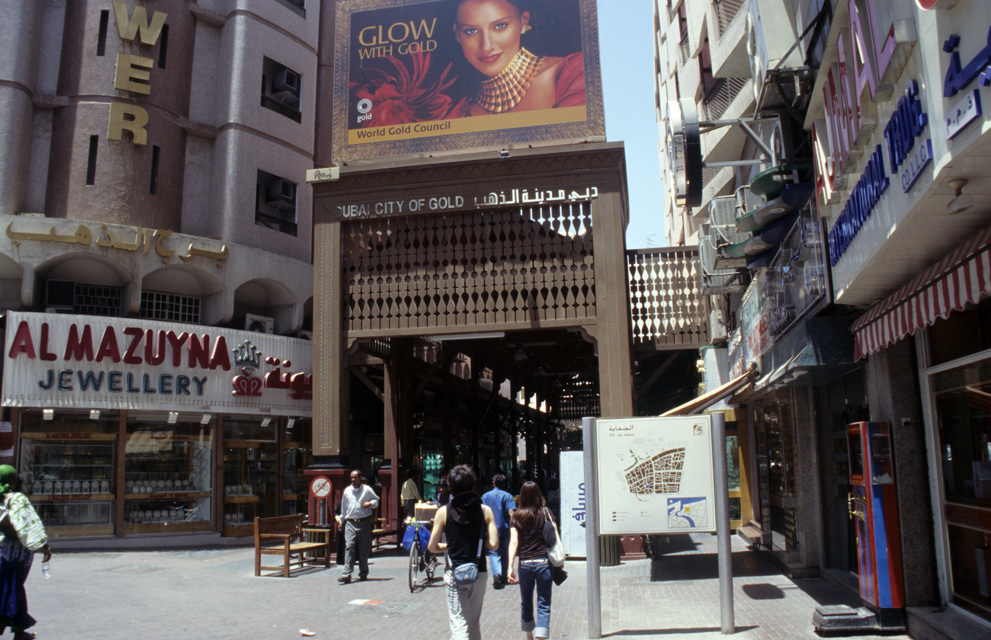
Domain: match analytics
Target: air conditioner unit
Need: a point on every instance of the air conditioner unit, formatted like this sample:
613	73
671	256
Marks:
60	294
287	99
776	17
717	326
280	191
305	335
286	80
258	324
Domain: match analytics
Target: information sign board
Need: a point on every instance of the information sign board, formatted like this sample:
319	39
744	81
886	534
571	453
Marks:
655	475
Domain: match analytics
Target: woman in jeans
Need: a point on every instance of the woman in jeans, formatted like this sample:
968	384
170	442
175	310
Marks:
526	540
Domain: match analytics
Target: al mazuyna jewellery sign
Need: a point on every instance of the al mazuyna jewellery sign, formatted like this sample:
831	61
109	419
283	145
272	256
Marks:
55	360
418	76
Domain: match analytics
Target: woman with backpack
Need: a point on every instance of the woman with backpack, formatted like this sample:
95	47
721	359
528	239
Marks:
469	529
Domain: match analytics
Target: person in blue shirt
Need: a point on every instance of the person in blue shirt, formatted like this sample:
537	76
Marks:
502	505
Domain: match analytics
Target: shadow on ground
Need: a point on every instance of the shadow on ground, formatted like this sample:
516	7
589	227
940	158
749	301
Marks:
705	566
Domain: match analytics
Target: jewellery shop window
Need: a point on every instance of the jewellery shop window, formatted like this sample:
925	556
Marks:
250	473
167	473
297	455
67	469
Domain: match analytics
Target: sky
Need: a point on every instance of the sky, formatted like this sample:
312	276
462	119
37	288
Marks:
626	37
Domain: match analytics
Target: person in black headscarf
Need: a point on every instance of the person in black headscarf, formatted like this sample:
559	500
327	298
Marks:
468	526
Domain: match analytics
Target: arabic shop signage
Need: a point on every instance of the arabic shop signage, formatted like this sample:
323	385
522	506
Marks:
53	360
849	89
904	128
459	202
958	77
133	72
121	238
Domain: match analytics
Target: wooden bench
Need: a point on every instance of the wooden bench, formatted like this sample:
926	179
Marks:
384	528
284	536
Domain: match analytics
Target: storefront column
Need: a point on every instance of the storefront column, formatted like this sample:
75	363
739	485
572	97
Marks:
893	390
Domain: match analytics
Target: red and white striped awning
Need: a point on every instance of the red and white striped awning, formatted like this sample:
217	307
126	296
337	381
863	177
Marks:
962	277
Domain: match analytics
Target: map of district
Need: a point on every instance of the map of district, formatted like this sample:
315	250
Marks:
660	473
687	513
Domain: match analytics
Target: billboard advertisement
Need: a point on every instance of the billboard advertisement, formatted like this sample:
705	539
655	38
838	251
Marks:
419	76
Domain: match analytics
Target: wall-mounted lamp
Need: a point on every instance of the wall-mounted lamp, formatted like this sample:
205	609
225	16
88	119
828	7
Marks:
266	421
205	419
173	417
94	414
961	201
290	423
48	414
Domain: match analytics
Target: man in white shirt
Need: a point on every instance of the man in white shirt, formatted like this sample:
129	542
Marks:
357	506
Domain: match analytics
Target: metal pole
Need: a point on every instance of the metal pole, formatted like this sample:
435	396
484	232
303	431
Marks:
722	523
591	531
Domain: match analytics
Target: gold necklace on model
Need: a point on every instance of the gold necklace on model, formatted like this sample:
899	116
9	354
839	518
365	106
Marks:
504	91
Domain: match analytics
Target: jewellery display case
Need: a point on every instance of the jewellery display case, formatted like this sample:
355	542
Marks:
297	455
68	476
167	476
250	477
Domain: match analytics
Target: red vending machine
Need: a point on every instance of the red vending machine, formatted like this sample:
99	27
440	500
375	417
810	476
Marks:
875	511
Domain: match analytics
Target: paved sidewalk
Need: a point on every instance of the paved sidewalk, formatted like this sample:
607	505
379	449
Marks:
213	594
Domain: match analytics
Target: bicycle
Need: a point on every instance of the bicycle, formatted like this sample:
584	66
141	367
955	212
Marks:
422	563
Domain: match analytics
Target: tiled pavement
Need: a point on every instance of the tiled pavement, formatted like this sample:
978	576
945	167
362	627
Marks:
213	594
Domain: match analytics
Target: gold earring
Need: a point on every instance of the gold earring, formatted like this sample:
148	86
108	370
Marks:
525	28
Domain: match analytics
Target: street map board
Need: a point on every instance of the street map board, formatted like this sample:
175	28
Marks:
655	475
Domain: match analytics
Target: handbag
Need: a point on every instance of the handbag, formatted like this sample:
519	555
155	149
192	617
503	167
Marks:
559	575
466	574
555	548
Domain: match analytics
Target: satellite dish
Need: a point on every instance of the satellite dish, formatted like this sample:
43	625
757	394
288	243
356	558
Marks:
757	53
684	153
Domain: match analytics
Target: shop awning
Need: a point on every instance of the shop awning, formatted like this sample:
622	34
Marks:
962	277
702	402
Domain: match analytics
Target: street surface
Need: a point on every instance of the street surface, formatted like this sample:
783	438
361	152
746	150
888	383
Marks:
214	595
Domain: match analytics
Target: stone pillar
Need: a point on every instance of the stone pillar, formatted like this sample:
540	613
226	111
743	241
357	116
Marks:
612	331
330	371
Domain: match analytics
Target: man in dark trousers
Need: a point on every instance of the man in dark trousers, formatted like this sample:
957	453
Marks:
502	505
357	506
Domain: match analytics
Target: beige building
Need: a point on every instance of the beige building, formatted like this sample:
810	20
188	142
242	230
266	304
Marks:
152	180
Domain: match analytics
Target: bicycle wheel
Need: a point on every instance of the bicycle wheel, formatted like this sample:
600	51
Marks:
415	563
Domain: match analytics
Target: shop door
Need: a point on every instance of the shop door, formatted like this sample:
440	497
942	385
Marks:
776	461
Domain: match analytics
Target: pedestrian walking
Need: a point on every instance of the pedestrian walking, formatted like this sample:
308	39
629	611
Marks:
443	491
468	526
23	535
527	542
410	493
357	506
503	506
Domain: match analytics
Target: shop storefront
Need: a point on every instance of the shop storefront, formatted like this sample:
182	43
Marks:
957	385
124	428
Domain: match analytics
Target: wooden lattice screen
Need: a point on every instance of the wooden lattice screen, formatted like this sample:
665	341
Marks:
500	267
667	306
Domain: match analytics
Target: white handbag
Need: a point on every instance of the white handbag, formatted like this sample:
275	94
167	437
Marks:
555	551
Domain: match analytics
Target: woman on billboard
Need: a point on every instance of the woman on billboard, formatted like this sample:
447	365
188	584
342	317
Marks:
479	64
507	76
